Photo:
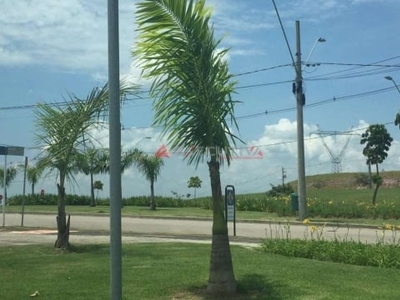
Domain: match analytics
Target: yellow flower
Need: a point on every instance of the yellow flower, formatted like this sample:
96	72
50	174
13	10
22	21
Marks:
313	228
306	221
388	226
330	202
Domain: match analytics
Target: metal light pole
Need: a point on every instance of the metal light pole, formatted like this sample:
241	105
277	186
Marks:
390	78
115	152
319	40
300	99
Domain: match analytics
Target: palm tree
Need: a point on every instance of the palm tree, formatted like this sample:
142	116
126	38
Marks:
97	161
98	185
192	90
61	129
377	143
91	162
33	175
150	167
195	183
11	173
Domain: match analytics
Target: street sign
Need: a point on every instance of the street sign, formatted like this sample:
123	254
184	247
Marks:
17	151
12	150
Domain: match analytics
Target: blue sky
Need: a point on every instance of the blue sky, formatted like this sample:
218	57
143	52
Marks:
50	48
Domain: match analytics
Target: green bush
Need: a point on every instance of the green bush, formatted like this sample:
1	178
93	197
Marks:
280	190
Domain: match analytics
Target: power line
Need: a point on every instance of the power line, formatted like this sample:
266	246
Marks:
284	33
322	102
261	70
358	67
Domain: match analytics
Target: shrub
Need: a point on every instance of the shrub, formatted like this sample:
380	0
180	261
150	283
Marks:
313	246
362	179
280	190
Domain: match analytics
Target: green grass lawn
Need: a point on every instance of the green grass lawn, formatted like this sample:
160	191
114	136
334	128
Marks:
180	271
142	211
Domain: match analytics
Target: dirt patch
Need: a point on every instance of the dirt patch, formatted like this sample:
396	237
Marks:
202	294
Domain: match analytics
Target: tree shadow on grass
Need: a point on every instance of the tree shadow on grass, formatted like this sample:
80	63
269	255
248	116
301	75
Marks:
89	248
249	287
104	249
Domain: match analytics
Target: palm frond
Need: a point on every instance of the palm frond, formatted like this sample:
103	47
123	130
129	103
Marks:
61	129
191	84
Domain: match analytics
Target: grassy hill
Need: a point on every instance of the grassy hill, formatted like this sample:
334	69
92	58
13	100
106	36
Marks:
391	179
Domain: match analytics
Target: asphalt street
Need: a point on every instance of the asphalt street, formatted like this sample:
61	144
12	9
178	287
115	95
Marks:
41	228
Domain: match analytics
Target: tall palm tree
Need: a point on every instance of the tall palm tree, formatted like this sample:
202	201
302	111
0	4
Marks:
33	175
192	90
150	167
63	130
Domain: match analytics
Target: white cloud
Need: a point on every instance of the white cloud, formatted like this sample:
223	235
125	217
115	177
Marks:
70	36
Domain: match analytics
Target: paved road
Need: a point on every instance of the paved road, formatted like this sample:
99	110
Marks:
150	229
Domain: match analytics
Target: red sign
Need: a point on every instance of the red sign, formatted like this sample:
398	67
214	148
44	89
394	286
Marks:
1	197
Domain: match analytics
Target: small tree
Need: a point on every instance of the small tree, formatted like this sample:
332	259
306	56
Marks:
195	183
377	143
98	185
61	129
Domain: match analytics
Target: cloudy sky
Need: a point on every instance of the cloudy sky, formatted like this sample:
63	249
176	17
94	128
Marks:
49	48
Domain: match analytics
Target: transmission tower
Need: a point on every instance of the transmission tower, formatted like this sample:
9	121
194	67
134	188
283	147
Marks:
336	159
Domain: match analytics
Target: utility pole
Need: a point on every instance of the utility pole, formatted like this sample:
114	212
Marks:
283	176
300	99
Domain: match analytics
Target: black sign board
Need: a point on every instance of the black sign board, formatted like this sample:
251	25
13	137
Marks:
230	206
12	150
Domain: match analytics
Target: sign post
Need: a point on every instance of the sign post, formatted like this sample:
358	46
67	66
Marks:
230	206
8	150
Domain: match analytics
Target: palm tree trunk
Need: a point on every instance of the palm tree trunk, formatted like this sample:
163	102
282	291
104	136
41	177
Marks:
221	276
63	224
92	200
152	200
33	189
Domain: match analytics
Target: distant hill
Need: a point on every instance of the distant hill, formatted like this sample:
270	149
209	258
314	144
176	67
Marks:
391	179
